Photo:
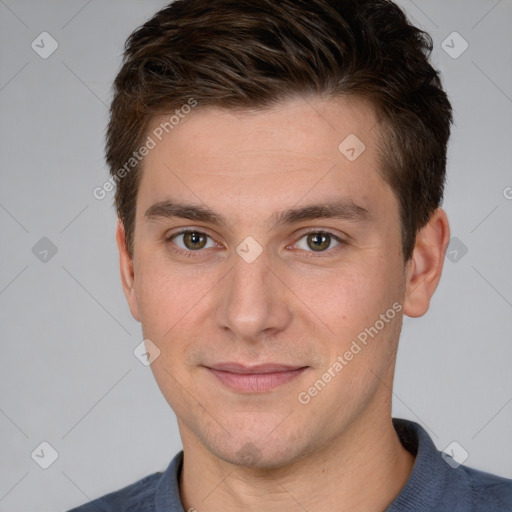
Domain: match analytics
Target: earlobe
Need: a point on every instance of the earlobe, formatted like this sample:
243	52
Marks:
127	272
423	270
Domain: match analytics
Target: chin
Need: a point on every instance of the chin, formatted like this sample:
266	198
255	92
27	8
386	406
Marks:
260	450
254	456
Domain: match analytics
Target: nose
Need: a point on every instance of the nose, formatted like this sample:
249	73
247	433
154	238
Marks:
254	301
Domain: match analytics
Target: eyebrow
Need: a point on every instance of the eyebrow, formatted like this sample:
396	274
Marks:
344	209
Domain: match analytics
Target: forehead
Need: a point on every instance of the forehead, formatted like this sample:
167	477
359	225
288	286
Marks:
298	150
308	127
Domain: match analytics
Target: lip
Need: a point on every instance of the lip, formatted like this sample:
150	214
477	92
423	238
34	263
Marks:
254	378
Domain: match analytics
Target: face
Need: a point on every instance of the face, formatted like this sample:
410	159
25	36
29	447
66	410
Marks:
263	255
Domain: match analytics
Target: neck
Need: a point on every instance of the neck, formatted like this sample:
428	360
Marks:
362	469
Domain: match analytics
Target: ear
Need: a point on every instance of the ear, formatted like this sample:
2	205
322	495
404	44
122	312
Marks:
423	270
126	268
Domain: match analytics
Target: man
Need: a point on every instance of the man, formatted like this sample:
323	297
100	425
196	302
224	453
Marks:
279	170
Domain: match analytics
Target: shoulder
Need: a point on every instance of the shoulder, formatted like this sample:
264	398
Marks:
139	496
440	484
489	492
153	493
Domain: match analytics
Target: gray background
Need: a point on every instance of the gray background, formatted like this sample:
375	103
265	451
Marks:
67	372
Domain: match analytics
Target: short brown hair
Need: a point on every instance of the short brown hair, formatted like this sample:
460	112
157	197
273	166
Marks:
238	54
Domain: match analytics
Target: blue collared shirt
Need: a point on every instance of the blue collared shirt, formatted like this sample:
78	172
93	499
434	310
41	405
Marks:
434	485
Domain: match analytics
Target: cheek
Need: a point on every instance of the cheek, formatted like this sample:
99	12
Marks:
349	303
348	297
169	306
165	294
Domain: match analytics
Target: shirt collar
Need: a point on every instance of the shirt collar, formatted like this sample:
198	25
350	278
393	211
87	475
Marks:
426	487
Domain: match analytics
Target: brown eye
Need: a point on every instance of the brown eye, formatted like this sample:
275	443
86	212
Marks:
319	241
192	240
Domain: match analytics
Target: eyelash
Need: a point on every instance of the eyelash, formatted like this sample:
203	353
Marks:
308	254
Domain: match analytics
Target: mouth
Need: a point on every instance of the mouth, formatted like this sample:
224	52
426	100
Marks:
254	379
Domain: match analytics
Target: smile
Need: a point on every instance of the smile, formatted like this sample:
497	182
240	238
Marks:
255	379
